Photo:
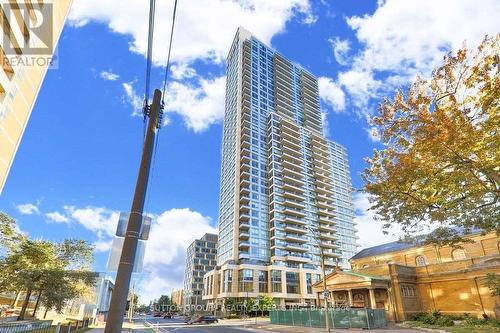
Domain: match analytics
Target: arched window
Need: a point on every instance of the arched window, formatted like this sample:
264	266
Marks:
458	254
420	261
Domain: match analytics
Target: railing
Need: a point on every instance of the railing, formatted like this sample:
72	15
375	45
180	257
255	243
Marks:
72	326
43	326
338	318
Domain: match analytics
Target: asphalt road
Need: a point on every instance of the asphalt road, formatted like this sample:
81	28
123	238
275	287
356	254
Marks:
178	326
208	329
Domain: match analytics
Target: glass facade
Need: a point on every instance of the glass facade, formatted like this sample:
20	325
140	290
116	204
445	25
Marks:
344	209
285	189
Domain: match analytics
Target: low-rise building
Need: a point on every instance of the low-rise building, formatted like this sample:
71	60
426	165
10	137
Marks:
104	291
410	278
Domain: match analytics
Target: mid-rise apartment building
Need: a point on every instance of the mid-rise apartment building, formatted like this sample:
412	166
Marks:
177	297
29	31
285	189
201	257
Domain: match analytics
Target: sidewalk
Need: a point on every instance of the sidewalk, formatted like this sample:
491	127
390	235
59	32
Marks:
299	329
140	329
127	328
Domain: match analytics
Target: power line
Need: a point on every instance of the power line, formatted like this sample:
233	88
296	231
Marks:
151	28
169	50
148	195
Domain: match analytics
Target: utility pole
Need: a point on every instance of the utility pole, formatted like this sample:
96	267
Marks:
126	265
325	291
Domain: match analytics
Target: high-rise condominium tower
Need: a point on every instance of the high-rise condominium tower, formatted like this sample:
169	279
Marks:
28	38
285	189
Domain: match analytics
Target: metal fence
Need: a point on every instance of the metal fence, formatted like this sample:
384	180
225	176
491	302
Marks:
72	326
42	326
349	318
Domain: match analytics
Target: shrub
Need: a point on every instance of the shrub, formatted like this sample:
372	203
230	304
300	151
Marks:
436	313
444	321
434	318
475	322
418	316
428	319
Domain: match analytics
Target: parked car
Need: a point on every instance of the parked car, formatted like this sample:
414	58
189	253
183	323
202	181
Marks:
167	315
203	320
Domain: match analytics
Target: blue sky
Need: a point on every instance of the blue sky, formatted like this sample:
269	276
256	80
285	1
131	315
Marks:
77	163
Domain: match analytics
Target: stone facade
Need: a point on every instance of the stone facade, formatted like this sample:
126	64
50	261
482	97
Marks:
406	279
288	286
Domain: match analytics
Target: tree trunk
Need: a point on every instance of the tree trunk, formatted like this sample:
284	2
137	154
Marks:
18	294
25	305
45	314
37	303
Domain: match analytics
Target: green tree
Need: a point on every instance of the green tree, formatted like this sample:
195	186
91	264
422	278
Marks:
229	306
9	233
266	303
57	272
250	305
143	308
163	302
441	155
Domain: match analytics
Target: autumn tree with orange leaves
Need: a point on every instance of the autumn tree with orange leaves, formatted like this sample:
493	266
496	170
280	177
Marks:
441	158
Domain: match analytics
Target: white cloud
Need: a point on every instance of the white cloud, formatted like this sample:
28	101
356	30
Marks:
341	49
100	220
132	98
204	28
103	245
413	37
171	233
402	39
331	93
361	86
181	71
57	217
370	230
28	209
199	105
109	76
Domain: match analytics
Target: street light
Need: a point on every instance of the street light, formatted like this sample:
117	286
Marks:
322	261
